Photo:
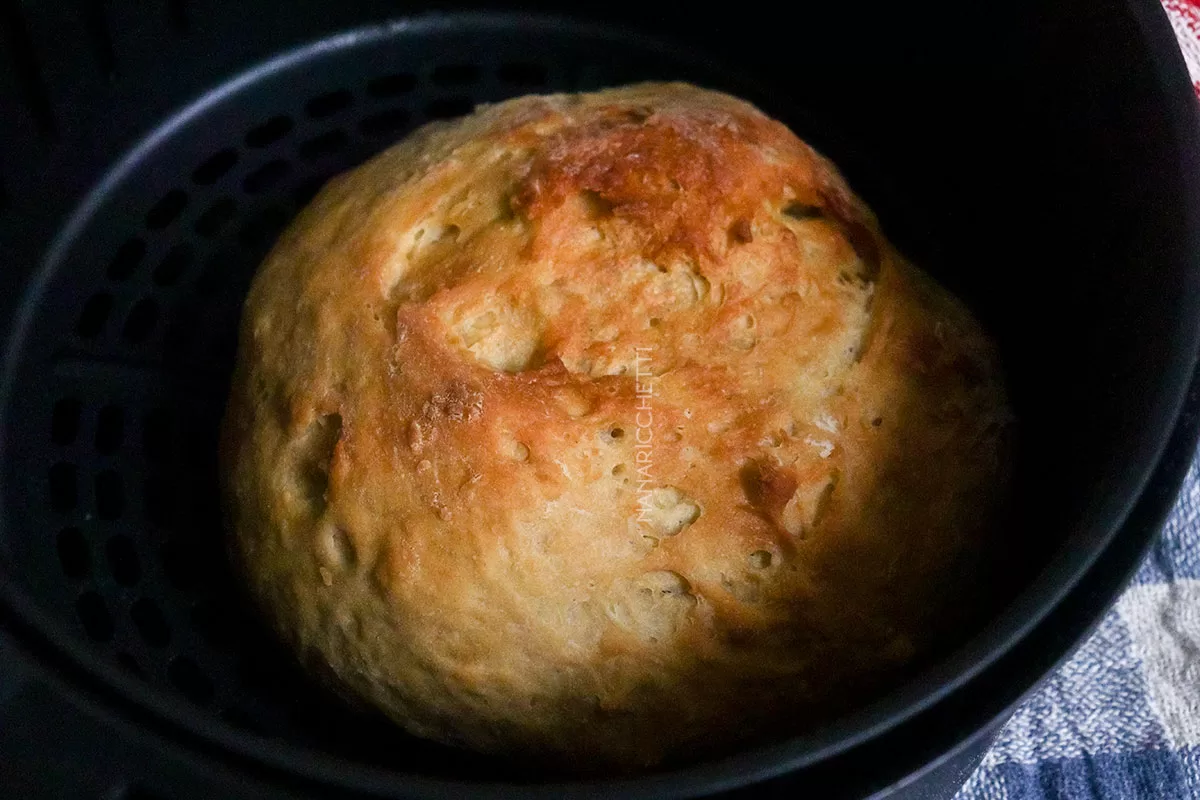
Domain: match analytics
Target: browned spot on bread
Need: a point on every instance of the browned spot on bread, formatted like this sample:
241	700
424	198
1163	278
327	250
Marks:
677	176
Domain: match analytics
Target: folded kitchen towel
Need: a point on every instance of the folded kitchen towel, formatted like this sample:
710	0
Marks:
1121	719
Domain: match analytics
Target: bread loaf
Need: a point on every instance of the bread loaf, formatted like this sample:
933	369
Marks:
607	428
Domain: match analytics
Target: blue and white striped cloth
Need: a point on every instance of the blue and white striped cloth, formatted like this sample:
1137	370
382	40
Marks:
1120	720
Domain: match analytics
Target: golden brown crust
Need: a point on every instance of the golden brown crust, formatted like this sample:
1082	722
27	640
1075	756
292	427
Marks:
606	426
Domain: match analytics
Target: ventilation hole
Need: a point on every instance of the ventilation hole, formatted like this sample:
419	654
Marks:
179	565
449	107
263	228
64	492
110	495
324	145
212	625
307	190
456	74
73	553
217	165
93	613
95	315
64	425
156	435
150	623
128	256
270	131
216	216
110	429
140	322
167	210
188	678
328	104
130	665
519	74
383	123
391	85
266	176
123	560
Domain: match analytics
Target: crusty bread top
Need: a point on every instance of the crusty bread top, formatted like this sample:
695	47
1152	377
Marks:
606	426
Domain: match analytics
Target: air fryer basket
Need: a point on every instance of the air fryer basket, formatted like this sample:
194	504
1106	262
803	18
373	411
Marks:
118	361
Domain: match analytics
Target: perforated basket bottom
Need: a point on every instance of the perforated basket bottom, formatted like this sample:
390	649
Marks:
110	472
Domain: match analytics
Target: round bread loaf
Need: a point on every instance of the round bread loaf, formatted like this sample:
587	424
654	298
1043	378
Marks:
607	428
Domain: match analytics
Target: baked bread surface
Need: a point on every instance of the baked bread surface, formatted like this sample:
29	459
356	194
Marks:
607	428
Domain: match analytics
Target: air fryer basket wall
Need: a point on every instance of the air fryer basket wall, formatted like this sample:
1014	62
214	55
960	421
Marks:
1058	205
